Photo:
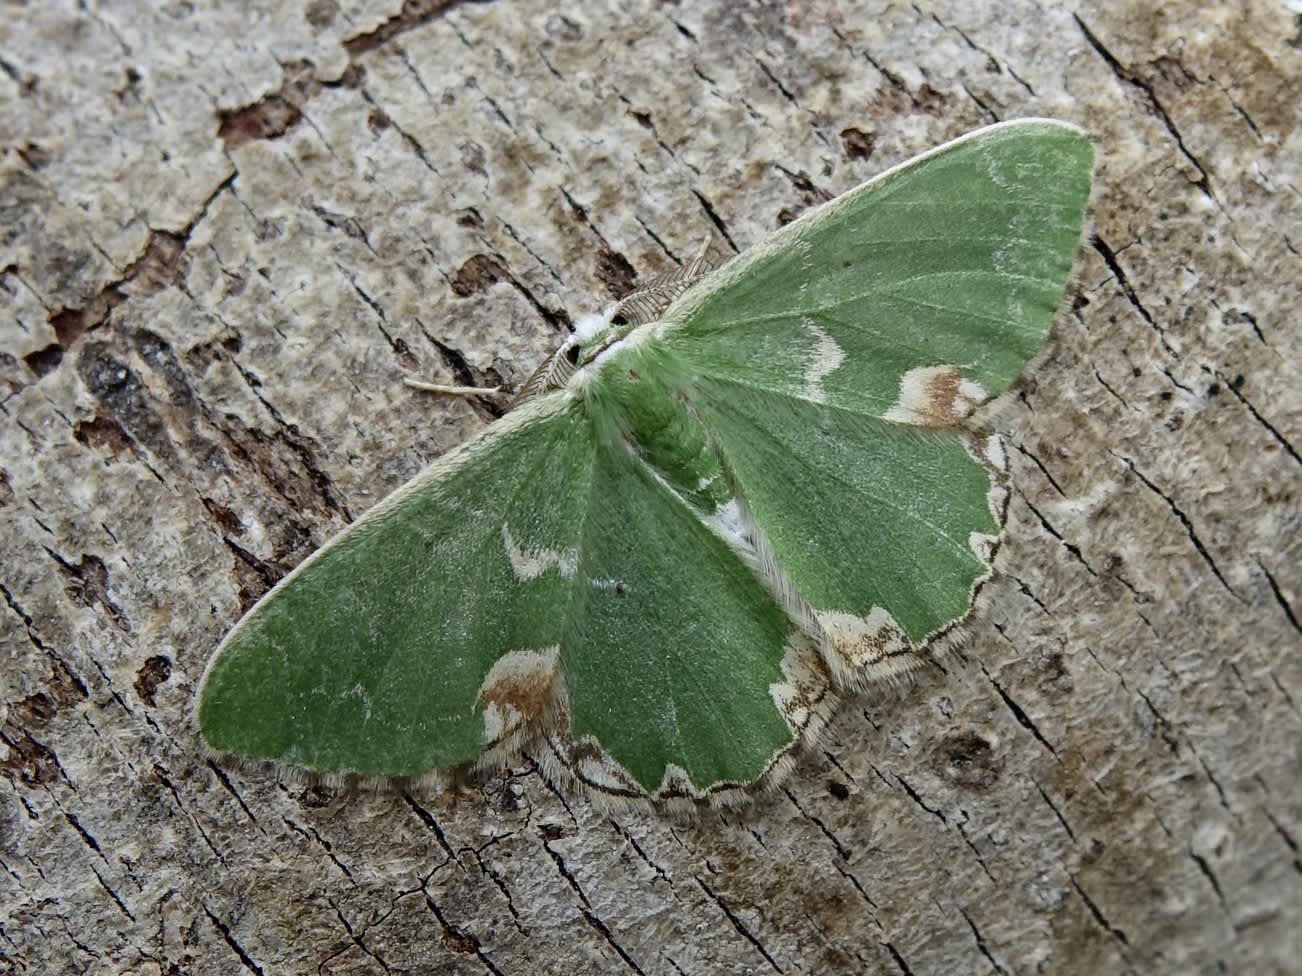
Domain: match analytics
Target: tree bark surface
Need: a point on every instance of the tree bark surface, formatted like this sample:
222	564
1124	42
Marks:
228	233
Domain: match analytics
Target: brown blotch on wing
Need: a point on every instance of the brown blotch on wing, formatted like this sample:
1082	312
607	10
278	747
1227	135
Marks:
935	396
516	691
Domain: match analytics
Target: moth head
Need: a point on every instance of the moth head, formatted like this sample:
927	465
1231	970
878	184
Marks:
588	326
593	334
596	332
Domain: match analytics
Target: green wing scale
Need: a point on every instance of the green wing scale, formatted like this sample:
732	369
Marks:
659	576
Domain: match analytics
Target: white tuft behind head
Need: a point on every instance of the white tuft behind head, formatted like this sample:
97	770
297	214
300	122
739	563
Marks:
589	325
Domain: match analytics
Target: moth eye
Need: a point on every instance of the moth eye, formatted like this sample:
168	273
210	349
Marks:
620	588
620	319
572	354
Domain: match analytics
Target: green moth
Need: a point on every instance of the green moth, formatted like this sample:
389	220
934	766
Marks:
723	502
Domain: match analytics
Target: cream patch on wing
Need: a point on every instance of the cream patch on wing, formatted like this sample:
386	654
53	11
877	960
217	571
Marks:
803	695
590	764
826	358
516	691
861	642
984	545
992	449
935	396
529	564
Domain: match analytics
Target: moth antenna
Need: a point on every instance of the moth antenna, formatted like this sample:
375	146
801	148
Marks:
551	374
651	299
699	264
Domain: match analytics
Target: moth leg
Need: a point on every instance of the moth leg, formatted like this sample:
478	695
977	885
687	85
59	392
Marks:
463	391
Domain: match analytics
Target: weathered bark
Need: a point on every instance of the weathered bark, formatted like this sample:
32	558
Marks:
226	238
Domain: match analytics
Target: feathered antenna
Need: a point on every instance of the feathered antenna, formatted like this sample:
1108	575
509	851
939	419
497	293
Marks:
551	374
646	304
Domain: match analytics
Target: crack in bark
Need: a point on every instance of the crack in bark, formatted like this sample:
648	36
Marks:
356	939
913	795
269	575
113	895
311	834
581	212
497	110
458	939
1220	792
1274	679
398	346
83	947
1071	547
1234	387
1099	917
385	119
1279	597
559	321
112	689
644	119
1184	520
30	625
1110	259
661	873
245	959
899	959
737	924
854	882
1286	837
822	827
489	872
782	89
585	909
1127	75
1166	729
428	820
1104	383
981	942
1026	590
837	763
161	774
1020	715
715	219
1177	384
1056	812
85	834
1206	869
971	846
